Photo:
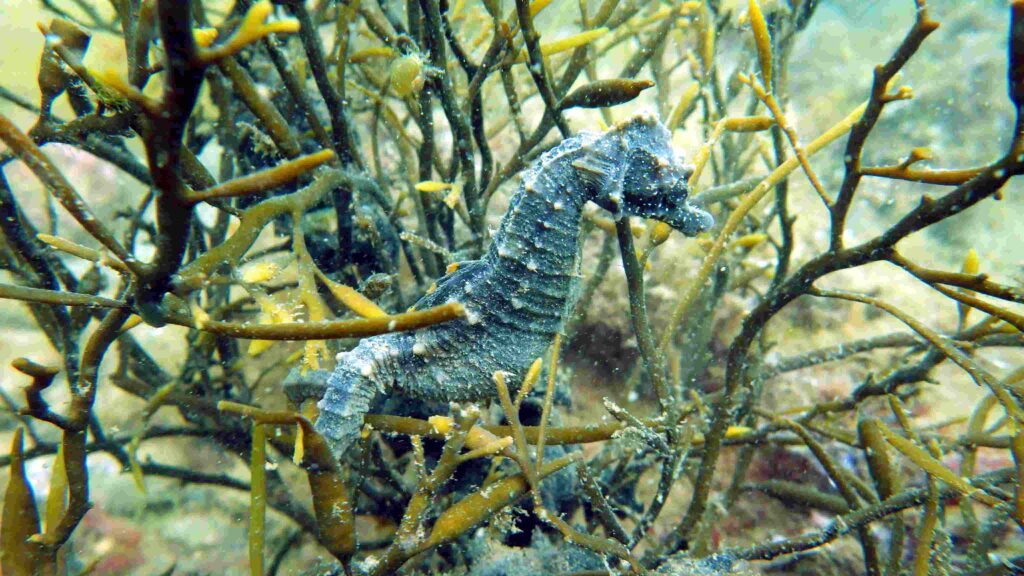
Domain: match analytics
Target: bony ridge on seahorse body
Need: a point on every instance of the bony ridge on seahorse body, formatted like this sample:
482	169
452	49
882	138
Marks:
517	295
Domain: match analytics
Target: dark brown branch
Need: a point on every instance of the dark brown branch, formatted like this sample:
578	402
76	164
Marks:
923	26
855	520
538	69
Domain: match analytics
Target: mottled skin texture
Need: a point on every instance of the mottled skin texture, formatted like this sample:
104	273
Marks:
517	296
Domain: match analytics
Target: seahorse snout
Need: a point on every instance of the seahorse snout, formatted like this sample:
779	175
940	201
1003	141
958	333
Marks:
689	219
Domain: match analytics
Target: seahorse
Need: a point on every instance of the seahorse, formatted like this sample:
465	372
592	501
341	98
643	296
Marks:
517	296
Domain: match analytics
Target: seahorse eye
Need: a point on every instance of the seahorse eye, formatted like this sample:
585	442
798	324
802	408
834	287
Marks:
676	211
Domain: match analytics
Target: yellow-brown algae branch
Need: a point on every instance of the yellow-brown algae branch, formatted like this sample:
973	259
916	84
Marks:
768	99
19	556
58	491
969	280
971	265
608	225
229	252
478	437
79	415
409	537
42	377
263	108
465	514
109	81
257	498
83	252
741	124
548	395
876	453
327	330
253	28
350	297
683	107
58	297
935	468
27	151
73	58
939	177
839	476
529	381
1017	448
522	453
602	93
331	504
1011	318
594	543
558	436
926	533
736	217
602	509
944	344
762	41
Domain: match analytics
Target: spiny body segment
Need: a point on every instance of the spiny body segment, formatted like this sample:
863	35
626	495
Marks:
517	296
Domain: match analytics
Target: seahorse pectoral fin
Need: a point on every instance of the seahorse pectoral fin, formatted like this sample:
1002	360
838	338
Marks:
602	174
346	401
595	168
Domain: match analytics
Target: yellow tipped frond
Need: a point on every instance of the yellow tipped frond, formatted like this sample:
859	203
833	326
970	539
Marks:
451	199
660	232
351	298
566	44
749	123
118	84
971	263
300	446
572	42
432	186
762	41
530	380
537	5
442	424
199	316
259	273
205	36
750	240
254	27
685	101
372	52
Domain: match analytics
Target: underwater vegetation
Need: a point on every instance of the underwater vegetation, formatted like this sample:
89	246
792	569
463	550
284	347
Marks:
364	253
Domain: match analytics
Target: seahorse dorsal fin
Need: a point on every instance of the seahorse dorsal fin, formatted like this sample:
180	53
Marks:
595	167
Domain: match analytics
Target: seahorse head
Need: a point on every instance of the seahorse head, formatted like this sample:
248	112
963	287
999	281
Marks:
644	177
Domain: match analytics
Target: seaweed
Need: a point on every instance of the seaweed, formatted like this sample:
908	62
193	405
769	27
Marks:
302	172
